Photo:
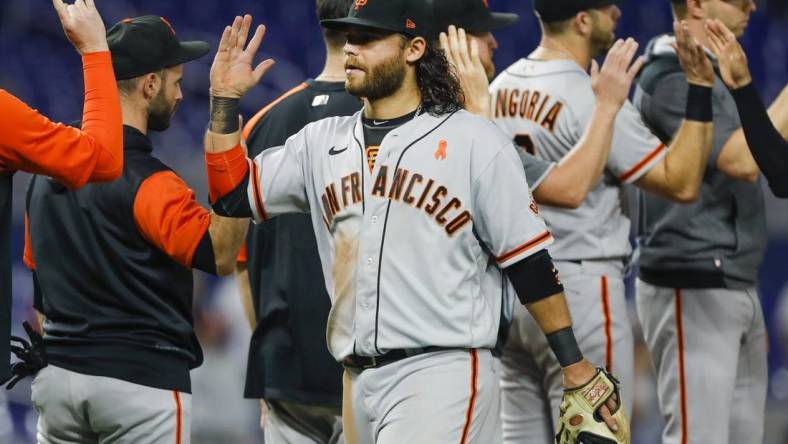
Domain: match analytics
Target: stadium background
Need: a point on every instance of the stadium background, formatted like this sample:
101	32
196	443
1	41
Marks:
41	68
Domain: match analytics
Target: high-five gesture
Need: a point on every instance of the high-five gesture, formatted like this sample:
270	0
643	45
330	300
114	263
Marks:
83	25
611	83
231	73
730	54
692	57
469	70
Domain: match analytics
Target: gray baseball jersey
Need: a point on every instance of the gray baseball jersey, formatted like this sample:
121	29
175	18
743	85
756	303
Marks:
405	247
545	106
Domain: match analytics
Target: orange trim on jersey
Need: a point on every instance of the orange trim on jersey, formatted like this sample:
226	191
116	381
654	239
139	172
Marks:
258	199
178	421
634	170
256	118
682	377
242	256
466	430
27	257
168	216
608	326
524	247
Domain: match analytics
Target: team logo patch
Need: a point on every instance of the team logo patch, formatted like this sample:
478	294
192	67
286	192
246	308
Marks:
440	153
372	155
360	4
321	100
410	24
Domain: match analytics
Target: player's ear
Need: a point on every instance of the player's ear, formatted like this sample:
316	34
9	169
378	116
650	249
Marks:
415	49
584	23
151	84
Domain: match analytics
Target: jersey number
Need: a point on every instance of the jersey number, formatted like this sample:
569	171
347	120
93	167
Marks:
524	141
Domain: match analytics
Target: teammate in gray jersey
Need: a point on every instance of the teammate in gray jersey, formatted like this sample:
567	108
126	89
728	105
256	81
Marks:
696	291
405	237
466	37
545	102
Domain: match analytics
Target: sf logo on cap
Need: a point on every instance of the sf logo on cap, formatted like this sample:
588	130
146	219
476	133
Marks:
360	4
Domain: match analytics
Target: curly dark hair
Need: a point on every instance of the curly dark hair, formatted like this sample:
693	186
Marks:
440	88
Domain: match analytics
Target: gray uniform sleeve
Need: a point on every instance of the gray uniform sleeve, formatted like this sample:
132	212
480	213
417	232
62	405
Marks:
536	169
670	100
508	222
278	184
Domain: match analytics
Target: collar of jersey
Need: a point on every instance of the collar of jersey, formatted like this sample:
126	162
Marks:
531	67
133	139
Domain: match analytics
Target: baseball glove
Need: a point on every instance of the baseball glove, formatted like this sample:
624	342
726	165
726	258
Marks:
580	421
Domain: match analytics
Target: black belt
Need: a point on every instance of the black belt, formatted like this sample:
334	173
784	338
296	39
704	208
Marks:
356	362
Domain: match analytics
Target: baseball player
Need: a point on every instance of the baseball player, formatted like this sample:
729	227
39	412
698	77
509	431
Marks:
290	370
469	46
113	267
31	142
405	234
696	293
546	100
769	148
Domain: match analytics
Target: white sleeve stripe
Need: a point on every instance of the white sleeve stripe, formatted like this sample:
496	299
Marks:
258	207
639	167
541	178
539	239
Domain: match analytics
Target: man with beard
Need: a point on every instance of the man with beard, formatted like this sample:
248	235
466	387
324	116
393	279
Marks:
545	101
697	296
113	268
405	232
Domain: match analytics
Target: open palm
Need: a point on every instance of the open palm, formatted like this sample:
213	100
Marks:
232	74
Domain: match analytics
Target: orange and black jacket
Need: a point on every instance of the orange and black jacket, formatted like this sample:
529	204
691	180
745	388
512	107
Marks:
113	266
31	142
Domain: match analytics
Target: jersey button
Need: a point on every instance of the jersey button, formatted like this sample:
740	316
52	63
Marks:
369	261
374	219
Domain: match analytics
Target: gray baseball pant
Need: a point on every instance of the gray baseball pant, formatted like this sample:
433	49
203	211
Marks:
75	408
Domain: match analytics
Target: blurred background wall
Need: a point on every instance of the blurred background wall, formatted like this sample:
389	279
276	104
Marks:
38	65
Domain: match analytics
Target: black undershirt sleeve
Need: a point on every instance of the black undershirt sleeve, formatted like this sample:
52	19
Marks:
534	278
767	145
203	258
235	203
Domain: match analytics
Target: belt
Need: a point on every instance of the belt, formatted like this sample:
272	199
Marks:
356	362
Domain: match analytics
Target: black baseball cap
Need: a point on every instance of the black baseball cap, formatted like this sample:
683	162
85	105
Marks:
147	44
558	10
409	17
472	15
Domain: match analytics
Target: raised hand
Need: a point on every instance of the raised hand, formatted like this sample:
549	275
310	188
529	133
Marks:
83	25
469	69
732	59
611	83
696	65
231	73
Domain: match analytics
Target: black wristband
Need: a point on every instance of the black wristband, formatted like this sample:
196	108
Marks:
699	104
564	345
224	115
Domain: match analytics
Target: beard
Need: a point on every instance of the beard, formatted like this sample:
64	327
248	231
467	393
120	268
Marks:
160	112
381	81
601	40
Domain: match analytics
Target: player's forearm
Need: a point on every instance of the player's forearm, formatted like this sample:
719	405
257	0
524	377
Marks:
685	163
768	146
680	173
778	112
551	313
102	118
578	172
227	235
242	278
